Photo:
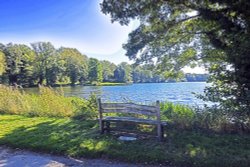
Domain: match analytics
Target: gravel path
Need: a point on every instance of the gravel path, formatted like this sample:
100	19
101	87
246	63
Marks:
19	158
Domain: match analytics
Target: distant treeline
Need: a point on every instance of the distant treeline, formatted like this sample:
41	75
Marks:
43	64
196	77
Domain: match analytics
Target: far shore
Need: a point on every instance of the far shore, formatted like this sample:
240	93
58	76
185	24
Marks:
104	84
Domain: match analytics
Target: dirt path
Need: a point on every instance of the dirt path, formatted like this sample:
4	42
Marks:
19	158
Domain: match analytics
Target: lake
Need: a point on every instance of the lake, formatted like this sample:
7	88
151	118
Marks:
181	92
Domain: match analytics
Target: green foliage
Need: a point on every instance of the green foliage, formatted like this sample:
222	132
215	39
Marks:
176	75
108	70
180	116
2	63
92	106
145	73
79	138
214	34
48	103
95	70
215	119
46	62
51	103
76	67
87	110
43	64
123	73
208	119
19	59
13	101
111	84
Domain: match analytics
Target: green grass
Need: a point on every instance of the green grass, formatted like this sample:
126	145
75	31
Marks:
106	84
111	84
48	102
81	139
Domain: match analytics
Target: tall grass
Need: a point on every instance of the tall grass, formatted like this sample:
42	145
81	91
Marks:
180	116
209	119
13	101
48	103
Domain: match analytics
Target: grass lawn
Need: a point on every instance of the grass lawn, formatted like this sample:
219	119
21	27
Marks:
81	139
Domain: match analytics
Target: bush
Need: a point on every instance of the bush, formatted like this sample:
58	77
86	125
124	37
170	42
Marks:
180	116
216	119
207	119
86	109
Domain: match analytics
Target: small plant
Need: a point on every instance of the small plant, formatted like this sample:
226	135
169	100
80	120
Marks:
87	109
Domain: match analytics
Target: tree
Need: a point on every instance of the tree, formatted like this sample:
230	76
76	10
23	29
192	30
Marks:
108	69
46	62
76	67
196	77
146	73
2	63
119	74
136	74
213	33
95	70
141	75
19	60
123	73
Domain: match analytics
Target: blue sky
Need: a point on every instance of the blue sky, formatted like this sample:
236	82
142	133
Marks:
71	23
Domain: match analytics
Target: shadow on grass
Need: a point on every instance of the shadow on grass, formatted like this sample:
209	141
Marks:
57	136
81	139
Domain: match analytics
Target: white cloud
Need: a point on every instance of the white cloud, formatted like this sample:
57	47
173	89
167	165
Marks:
196	70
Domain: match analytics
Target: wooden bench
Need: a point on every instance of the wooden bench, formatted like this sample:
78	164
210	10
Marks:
130	108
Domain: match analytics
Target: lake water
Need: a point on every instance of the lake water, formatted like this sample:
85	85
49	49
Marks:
146	93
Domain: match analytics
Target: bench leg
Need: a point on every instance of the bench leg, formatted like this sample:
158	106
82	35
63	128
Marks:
101	127
159	132
105	127
162	132
108	126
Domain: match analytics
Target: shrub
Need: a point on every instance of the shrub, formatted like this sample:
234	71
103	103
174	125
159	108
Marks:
206	119
87	109
180	116
216	119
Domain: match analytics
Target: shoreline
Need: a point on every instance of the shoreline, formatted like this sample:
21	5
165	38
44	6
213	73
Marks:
107	84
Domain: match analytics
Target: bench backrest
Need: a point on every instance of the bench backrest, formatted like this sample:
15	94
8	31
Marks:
129	108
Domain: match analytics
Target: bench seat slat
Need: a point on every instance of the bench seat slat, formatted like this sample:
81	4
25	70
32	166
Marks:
128	110
133	119
129	105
